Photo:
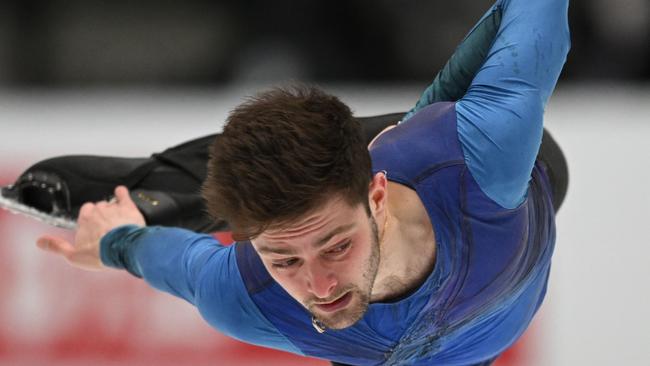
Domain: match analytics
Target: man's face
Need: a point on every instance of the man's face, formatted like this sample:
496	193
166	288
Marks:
327	261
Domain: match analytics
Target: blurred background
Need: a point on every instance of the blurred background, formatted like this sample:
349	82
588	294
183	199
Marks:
74	43
127	78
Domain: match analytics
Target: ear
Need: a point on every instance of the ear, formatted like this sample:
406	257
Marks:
378	192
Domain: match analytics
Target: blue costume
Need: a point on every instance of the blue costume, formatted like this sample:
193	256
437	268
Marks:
472	163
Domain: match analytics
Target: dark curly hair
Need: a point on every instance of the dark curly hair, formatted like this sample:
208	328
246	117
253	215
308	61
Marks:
283	153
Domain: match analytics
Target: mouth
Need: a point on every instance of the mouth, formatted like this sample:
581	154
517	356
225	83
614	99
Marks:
337	304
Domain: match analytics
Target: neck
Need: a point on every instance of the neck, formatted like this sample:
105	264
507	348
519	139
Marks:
407	247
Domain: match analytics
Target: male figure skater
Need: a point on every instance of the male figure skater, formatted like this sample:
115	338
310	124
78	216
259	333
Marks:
431	247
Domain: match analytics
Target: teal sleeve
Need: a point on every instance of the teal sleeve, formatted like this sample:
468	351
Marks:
453	80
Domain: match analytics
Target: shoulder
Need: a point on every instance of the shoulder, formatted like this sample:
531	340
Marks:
427	139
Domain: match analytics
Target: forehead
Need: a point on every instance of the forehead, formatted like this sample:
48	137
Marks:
334	214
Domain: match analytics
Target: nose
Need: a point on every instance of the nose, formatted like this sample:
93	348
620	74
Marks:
321	281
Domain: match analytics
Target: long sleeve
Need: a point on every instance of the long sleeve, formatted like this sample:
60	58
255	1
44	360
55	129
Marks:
500	117
169	259
197	268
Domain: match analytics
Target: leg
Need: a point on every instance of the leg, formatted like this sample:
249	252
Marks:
165	187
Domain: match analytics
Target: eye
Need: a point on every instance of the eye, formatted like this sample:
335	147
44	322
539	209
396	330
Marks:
340	248
285	264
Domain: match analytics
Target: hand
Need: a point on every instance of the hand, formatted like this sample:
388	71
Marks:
95	220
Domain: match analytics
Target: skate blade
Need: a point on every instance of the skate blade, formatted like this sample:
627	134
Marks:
16	207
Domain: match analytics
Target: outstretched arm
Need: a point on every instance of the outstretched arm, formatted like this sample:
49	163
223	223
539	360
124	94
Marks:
113	234
191	266
500	116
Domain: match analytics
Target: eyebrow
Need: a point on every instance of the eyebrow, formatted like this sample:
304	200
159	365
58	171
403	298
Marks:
266	250
317	244
325	239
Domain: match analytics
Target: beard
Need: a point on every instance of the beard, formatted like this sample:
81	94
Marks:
360	294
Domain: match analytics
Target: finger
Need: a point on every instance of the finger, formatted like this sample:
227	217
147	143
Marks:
86	209
55	245
122	196
101	209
